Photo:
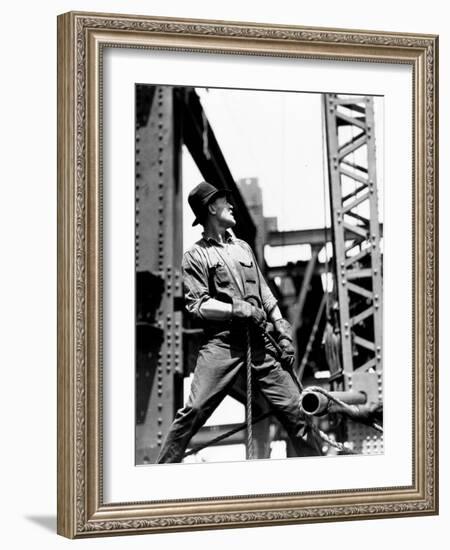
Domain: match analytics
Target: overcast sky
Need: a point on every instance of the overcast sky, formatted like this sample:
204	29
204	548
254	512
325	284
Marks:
278	138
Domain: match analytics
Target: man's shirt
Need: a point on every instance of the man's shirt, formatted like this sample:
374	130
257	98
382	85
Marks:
222	271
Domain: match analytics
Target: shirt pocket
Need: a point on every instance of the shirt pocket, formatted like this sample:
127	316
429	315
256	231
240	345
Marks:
220	275
248	268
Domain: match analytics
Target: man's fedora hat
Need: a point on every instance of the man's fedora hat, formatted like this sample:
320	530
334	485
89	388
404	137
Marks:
201	196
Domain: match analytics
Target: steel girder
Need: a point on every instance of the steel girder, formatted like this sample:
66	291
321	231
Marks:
158	258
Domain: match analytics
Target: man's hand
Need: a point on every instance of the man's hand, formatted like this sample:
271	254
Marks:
284	330
284	337
287	358
245	310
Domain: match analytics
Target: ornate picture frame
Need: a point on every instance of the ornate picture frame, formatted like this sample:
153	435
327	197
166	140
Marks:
82	40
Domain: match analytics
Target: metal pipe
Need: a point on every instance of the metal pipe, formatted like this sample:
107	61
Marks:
314	403
350	397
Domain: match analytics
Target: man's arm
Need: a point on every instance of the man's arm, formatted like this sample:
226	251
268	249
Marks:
197	299
282	326
201	305
275	314
215	310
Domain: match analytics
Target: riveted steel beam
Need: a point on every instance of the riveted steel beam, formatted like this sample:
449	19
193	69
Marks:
158	257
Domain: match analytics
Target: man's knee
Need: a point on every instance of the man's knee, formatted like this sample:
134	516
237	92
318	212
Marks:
291	405
190	412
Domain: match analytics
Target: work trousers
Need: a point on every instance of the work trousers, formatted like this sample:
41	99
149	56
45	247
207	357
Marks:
219	362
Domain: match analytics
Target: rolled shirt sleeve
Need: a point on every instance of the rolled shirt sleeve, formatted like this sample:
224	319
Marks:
267	298
195	283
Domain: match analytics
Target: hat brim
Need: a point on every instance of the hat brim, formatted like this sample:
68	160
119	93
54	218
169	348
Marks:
215	195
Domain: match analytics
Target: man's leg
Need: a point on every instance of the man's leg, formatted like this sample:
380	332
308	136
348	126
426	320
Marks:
214	373
283	394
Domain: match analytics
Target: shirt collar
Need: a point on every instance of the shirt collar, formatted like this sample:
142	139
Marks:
228	238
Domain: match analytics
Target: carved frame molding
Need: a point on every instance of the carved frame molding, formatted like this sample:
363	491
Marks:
81	37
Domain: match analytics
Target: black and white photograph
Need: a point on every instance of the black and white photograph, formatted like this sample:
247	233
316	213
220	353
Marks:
223	224
258	274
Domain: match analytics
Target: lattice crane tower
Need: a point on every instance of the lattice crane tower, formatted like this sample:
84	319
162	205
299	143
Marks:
350	131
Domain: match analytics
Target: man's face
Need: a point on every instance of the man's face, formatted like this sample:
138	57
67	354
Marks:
224	212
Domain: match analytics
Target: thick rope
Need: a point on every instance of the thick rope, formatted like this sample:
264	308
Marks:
336	444
225	435
248	361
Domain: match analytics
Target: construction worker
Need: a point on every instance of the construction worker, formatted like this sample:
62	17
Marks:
224	288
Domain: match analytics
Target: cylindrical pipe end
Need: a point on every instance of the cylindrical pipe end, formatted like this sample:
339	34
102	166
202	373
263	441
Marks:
313	403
